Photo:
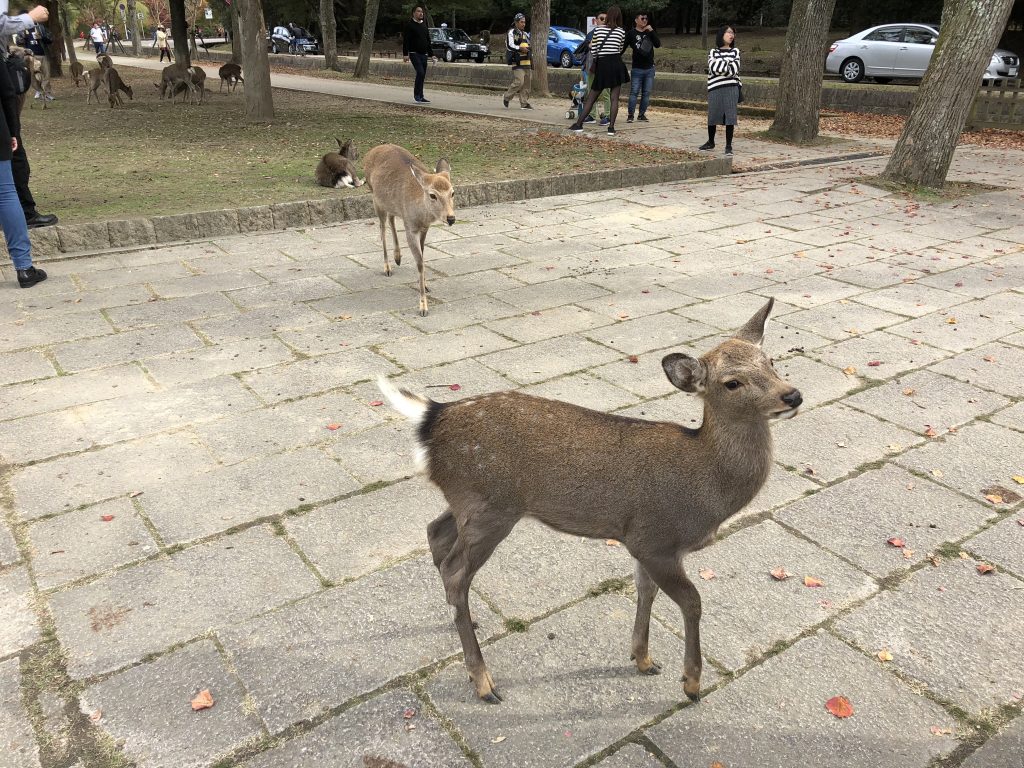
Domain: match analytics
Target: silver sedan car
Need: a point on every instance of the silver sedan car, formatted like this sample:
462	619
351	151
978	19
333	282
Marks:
901	50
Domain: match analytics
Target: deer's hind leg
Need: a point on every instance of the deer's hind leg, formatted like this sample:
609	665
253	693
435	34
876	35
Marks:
441	535
394	236
646	591
481	531
381	217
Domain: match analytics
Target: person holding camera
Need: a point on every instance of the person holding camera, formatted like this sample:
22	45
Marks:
641	40
518	43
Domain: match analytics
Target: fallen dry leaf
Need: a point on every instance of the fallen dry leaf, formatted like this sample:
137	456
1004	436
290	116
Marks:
203	700
849	370
611	542
950	321
96	715
839	706
909	391
936	731
408	713
908	554
780	574
106	518
896	541
985	568
454	387
938	473
498	739
333	427
995	498
375	403
934	560
1005	494
810	581
707	574
964	556
989	358
874	363
930	431
884	655
633	359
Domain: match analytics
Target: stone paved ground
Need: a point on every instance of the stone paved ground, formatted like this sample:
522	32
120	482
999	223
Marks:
200	491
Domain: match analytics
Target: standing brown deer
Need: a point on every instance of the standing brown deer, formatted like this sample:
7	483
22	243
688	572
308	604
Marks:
660	488
230	73
403	186
77	72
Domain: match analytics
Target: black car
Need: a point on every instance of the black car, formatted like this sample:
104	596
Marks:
292	39
451	44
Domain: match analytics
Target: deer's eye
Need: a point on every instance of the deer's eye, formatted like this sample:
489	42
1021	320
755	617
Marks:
433	196
732	384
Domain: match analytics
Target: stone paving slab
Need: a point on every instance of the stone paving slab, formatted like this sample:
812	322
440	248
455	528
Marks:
119	619
20	627
998	367
376	733
43	436
631	756
893	354
1003	749
24	366
9	554
16	735
209	362
316	374
146	709
1002	544
856	518
972	662
49	330
568	696
775	717
531	363
171	311
745	611
65	391
124	347
82	543
316	654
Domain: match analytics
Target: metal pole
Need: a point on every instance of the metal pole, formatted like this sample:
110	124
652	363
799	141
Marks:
704	24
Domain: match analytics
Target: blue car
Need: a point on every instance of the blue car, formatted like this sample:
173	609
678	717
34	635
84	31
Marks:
562	41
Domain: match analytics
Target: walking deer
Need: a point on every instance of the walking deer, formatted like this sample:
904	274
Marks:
338	169
77	72
403	186
230	73
660	488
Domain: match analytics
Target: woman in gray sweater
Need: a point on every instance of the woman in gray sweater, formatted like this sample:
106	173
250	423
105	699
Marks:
723	88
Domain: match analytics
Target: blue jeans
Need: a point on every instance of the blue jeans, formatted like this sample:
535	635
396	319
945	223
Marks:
12	219
419	63
641	80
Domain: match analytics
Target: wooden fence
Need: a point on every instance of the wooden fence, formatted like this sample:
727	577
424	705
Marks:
998	106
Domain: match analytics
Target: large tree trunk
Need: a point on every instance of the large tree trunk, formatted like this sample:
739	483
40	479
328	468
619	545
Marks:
236	34
69	41
969	33
329	33
54	54
178	33
799	97
366	42
259	100
540	23
133	24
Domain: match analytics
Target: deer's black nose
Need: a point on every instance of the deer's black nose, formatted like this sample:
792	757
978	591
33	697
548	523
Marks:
450	220
793	398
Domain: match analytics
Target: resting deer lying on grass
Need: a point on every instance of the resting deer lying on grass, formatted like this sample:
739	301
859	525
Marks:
338	169
659	488
403	186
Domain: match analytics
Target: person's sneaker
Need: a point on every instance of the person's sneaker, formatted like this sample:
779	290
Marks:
589	119
611	130
728	149
643	119
707	146
526	106
29	277
424	101
604	121
576	128
629	118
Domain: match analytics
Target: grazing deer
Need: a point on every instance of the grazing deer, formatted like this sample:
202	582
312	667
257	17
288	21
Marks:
403	186
338	169
230	73
176	78
114	87
77	72
198	78
97	79
660	488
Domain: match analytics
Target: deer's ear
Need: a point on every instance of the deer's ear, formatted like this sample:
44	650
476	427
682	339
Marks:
418	175
753	330
686	373
443	167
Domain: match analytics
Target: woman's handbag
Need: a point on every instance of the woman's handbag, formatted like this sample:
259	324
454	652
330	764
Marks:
739	99
17	69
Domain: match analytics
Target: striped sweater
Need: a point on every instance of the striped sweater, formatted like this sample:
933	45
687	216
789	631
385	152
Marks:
723	68
608	42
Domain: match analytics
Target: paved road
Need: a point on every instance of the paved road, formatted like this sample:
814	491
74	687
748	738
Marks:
201	493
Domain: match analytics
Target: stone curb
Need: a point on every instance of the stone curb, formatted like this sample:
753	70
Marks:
71	240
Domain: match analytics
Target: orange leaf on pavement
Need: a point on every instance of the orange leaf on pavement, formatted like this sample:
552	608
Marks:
839	706
633	359
106	518
203	700
896	541
936	731
375	403
333	427
810	581
780	574
849	370
884	655
707	574
985	568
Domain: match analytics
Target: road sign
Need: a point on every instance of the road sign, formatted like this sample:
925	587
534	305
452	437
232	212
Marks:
209	13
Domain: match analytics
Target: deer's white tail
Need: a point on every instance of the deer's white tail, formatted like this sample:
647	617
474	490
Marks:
413	407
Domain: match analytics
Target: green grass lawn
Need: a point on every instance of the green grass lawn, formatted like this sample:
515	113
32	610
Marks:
150	158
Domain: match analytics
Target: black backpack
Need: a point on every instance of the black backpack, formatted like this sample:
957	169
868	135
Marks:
17	70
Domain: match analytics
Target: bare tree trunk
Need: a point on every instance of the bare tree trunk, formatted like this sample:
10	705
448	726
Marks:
968	34
236	35
69	41
178	33
259	99
329	33
134	25
54	54
540	23
366	43
799	98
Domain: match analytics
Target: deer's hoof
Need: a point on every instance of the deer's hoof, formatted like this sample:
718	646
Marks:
646	665
492	698
691	688
398	259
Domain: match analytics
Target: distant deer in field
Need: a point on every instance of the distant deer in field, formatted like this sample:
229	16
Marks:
104	61
115	85
338	169
230	73
403	186
97	78
176	78
77	72
660	488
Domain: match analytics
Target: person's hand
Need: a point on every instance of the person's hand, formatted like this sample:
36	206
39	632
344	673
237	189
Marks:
14	143
648	28
39	14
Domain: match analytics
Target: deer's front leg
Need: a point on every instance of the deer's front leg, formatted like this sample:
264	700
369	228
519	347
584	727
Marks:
646	591
668	574
415	241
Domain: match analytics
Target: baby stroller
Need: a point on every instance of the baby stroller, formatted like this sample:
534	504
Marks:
577	94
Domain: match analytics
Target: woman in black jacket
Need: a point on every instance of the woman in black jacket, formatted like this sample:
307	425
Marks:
12	216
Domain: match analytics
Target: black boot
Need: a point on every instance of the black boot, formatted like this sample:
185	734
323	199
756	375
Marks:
29	277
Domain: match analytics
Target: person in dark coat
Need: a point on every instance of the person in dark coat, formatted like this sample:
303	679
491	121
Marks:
641	40
416	48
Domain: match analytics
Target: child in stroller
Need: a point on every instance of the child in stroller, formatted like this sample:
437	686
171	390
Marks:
577	94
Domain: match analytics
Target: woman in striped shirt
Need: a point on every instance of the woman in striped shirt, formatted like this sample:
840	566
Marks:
723	88
610	73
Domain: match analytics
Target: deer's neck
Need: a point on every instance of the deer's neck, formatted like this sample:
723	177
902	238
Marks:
741	453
